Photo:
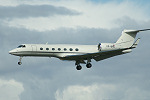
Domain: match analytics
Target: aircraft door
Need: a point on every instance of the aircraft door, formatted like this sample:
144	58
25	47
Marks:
34	48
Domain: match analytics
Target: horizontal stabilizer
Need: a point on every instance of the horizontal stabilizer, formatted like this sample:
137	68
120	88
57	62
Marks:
135	31
143	30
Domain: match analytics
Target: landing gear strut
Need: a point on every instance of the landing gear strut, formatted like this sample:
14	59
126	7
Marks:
19	63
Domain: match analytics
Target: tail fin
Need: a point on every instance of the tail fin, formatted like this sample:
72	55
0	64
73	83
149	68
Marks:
128	37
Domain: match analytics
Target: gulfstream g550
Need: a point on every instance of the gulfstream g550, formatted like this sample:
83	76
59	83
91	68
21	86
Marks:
81	53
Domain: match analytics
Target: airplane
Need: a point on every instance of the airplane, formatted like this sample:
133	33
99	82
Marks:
81	54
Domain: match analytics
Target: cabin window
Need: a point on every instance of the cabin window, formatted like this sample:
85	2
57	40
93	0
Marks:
77	49
53	49
41	48
47	48
71	49
59	49
65	49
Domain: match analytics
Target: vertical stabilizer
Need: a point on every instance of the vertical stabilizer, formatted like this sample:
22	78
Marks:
128	37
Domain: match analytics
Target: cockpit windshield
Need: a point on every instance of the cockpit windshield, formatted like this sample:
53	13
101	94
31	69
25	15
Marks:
21	46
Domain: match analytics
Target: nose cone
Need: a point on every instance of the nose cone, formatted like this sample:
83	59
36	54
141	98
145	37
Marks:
12	52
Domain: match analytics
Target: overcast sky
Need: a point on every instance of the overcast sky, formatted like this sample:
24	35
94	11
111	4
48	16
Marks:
125	77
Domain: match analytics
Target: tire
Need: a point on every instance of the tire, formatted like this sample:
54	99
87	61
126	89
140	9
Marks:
79	67
89	65
19	63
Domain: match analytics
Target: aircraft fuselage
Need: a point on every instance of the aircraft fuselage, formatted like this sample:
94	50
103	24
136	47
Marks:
59	50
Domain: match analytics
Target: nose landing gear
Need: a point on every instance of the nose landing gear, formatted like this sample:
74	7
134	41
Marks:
19	63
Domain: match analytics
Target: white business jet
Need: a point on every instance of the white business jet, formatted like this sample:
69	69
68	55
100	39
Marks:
81	53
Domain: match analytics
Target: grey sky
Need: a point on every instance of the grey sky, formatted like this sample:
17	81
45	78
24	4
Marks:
23	11
124	77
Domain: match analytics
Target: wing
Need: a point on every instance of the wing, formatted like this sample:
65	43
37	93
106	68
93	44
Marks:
96	56
105	55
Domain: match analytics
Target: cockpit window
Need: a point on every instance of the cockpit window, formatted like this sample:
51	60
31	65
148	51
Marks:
21	46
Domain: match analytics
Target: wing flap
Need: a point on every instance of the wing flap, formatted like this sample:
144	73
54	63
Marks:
108	55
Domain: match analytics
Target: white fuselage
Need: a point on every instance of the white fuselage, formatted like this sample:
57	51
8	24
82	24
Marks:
59	50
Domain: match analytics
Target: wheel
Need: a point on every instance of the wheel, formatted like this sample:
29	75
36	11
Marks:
79	67
89	65
19	63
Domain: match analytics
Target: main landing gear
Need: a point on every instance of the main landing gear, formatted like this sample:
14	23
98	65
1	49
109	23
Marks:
79	67
19	63
88	65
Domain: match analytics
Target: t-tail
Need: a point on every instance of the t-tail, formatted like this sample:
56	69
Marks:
127	39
